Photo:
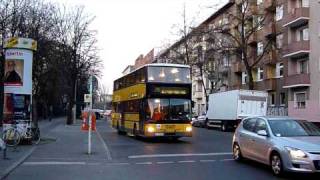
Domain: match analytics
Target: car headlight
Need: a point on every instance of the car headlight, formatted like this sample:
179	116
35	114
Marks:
296	153
150	129
189	129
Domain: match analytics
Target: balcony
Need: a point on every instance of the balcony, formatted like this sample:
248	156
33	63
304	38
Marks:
270	57
296	49
265	85
271	29
236	67
297	80
270	84
198	94
298	17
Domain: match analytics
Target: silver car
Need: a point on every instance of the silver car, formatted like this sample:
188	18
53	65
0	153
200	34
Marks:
282	143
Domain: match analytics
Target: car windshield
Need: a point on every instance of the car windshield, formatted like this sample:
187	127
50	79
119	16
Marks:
168	109
291	128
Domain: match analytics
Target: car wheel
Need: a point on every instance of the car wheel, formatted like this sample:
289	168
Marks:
237	152
276	164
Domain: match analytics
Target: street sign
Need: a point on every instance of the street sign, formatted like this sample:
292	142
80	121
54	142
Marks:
87	98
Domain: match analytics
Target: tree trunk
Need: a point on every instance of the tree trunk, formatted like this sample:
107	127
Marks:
71	104
250	78
2	63
34	110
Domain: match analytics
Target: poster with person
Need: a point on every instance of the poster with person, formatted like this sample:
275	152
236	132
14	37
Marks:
13	72
18	71
16	107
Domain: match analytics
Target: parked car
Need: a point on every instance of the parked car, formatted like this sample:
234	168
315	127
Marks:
283	143
199	121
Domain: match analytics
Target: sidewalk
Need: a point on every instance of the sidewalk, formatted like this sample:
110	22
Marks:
22	152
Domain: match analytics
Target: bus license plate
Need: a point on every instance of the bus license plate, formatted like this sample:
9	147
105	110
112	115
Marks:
159	134
170	128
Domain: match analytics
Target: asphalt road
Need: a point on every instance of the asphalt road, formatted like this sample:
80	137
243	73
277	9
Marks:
207	155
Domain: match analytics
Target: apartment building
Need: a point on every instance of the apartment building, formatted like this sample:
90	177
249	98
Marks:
301	57
289	71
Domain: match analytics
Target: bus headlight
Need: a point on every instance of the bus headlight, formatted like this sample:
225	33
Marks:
188	128
150	129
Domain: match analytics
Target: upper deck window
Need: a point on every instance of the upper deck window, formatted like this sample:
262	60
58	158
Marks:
169	74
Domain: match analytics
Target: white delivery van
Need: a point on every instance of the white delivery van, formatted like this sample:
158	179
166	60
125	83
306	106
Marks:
226	109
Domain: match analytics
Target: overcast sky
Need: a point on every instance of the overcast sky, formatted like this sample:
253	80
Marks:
128	28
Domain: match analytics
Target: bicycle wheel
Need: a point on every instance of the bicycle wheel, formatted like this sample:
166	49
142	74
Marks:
11	137
35	135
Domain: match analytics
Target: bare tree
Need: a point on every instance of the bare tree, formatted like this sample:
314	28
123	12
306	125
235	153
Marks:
238	30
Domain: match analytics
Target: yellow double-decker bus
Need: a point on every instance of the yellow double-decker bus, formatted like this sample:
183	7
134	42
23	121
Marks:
152	101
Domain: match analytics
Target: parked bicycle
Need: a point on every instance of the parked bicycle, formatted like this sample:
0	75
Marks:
21	130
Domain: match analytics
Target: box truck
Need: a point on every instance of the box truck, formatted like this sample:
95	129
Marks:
226	109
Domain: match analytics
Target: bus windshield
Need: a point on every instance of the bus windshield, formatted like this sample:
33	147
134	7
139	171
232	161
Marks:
168	109
169	74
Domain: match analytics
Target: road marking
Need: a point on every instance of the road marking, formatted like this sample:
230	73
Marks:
119	164
165	162
144	163
187	161
178	155
223	160
94	164
104	145
53	163
208	160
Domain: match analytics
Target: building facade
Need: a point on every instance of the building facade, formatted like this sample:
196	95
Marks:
289	69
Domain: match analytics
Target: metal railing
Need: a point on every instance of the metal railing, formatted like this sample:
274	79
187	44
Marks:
277	111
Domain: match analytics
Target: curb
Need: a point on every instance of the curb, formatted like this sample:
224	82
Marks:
16	164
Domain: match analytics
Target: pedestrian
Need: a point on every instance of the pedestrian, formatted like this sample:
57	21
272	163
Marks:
50	112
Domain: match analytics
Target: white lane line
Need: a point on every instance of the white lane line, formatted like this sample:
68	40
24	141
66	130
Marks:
119	164
208	160
104	145
178	155
223	160
53	163
94	164
165	162
187	161
144	163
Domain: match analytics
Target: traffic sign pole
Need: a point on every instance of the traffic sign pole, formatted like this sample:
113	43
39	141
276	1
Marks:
90	118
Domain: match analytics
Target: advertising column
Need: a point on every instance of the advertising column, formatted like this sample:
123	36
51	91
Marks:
18	79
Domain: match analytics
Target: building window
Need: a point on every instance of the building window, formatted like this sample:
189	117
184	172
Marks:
300	100
259	2
260	74
305	3
282	99
302	34
244	78
226	61
272	99
305	34
199	87
260	49
257	22
279	70
302	67
279	41
244	6
279	13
